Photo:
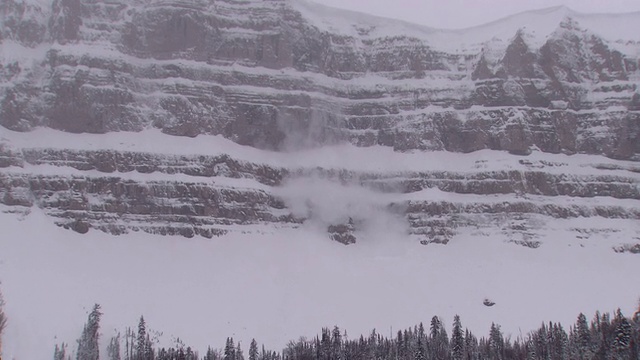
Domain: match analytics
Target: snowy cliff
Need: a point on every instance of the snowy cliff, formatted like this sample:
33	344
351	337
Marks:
259	135
532	117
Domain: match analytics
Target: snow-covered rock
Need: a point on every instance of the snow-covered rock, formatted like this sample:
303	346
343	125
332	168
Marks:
292	75
261	128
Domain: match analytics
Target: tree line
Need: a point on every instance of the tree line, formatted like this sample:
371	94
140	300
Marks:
605	337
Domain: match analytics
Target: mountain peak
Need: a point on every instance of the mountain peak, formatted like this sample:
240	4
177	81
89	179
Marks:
563	9
569	23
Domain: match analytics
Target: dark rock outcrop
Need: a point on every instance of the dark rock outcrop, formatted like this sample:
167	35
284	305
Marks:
267	75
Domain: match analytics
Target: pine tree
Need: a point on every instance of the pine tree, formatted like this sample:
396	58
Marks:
583	337
457	340
148	349
192	355
434	334
211	354
399	345
559	342
239	354
336	344
540	340
605	336
60	352
438	339
141	340
435	327
229	350
113	350
143	348
129	344
253	350
496	342
531	351
88	348
470	345
420	352
263	353
635	338
622	335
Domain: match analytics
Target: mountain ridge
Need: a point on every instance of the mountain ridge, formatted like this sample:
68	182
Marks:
246	166
262	75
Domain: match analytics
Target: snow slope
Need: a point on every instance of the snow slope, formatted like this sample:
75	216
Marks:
538	23
278	282
340	156
289	283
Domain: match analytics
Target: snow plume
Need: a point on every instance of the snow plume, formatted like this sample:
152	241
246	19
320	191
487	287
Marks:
324	202
311	127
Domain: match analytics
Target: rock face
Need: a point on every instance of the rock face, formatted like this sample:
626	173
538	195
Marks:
263	74
343	233
288	75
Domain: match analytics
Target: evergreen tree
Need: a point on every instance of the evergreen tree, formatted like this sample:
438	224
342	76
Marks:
420	333
607	339
541	342
470	345
263	353
457	340
253	350
88	348
212	354
179	355
336	344
622	338
113	350
595	323
635	337
239	354
531	351
583	338
438	339
130	345
164	355
496	343
229	350
399	345
325	344
148	354
420	352
603	340
60	352
141	343
559	342
435	327
143	348
192	355
434	334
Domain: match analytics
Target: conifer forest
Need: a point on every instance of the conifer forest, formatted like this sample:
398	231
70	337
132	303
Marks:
604	337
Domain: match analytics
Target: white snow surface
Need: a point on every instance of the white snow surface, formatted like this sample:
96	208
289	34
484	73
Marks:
621	29
538	24
279	286
340	156
276	284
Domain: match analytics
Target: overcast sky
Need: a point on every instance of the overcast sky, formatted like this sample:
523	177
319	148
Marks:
454	14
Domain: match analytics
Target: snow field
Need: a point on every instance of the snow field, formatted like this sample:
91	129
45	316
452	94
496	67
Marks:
290	283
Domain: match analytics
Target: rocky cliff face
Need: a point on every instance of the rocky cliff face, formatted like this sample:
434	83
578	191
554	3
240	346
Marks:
547	115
